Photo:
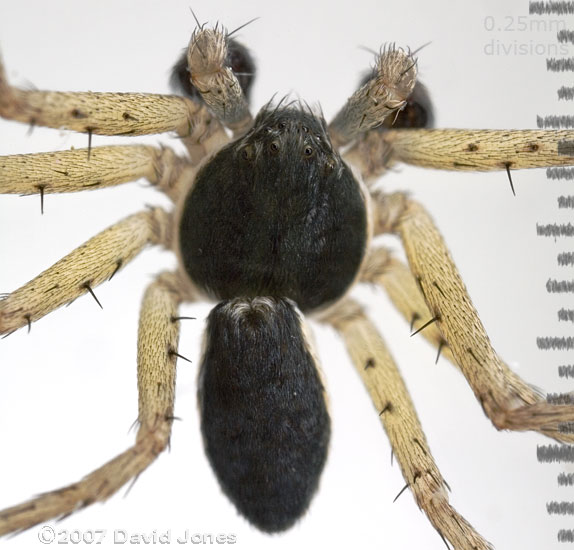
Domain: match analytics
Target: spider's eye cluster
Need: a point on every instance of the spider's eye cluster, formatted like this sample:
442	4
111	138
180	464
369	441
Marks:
288	135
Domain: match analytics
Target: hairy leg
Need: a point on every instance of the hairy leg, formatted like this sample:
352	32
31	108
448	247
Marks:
115	114
454	149
217	84
382	269
506	399
157	344
396	411
383	95
82	169
79	272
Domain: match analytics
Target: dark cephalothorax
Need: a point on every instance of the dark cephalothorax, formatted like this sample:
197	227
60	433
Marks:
291	218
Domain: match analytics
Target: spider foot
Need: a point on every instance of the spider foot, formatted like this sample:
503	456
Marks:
208	63
384	94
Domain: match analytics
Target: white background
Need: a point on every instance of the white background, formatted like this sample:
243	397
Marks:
68	390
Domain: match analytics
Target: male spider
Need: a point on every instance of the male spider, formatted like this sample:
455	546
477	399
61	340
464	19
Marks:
325	363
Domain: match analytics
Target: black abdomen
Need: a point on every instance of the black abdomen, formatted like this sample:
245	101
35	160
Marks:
275	214
263	415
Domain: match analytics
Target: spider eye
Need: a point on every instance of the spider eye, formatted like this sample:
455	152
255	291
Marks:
308	151
282	125
274	146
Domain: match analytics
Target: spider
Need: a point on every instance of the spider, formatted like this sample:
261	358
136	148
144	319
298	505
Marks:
325	363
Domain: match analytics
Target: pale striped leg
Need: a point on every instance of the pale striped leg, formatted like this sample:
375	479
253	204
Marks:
97	112
75	170
506	399
82	270
396	411
483	149
157	345
115	114
469	150
394	276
